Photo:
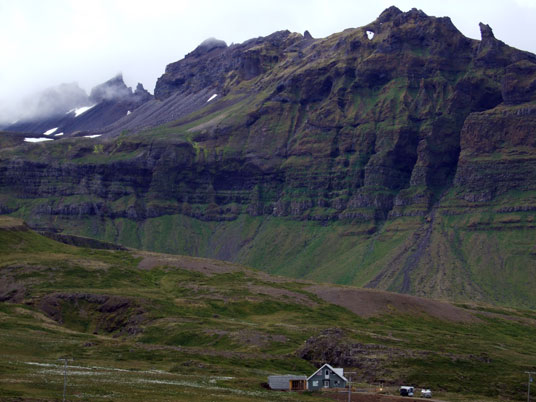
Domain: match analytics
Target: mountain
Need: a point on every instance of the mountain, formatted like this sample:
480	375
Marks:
146	326
397	156
57	114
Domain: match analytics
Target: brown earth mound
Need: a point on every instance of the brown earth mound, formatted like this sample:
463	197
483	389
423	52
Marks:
203	265
9	223
369	302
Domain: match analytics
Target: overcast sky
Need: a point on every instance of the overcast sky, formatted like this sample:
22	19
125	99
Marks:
47	42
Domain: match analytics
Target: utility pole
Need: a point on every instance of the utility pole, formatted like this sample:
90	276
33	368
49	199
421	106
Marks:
530	373
65	360
350	384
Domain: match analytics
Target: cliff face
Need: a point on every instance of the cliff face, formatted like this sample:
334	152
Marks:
402	135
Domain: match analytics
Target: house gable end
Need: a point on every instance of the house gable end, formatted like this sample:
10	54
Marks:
332	371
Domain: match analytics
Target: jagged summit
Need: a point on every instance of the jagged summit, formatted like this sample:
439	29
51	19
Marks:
114	88
389	14
141	93
486	32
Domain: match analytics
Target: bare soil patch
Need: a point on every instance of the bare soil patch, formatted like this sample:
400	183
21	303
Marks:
9	223
282	294
370	302
203	265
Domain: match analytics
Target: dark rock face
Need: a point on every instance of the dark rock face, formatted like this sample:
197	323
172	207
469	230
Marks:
212	64
498	148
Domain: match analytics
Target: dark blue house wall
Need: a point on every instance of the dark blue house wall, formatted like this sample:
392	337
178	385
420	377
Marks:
334	380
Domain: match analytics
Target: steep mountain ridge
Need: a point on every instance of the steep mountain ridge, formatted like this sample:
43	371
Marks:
398	155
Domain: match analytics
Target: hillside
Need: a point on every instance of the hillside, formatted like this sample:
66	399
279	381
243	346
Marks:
143	325
397	156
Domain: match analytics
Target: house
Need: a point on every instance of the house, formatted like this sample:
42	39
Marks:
327	377
288	382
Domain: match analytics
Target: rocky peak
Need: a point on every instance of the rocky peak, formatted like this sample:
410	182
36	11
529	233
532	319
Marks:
114	88
486	32
207	46
307	35
142	94
489	51
488	39
389	14
212	64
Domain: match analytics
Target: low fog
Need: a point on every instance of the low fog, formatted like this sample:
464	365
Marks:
84	43
52	101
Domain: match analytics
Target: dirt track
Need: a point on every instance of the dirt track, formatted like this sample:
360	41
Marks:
368	397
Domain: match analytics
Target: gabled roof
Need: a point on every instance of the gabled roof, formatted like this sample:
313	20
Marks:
336	371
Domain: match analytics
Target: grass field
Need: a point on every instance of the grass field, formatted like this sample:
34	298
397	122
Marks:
149	326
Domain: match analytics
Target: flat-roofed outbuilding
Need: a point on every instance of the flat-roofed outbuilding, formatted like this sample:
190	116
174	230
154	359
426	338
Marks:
288	382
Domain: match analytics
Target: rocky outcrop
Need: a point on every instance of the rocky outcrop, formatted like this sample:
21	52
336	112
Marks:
498	153
95	312
214	65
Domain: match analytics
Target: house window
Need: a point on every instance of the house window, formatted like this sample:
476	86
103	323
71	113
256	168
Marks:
327	372
315	383
336	382
326	383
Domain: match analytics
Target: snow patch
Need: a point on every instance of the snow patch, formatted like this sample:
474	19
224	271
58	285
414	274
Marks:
48	132
128	112
37	139
370	35
80	110
92	136
212	97
57	135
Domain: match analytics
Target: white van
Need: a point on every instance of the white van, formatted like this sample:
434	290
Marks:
426	393
406	390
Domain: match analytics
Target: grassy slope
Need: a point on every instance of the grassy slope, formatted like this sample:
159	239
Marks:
204	321
475	254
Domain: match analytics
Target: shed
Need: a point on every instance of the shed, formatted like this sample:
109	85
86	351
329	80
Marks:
288	382
327	377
